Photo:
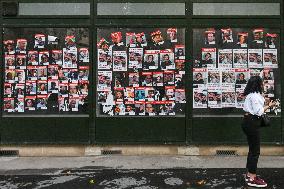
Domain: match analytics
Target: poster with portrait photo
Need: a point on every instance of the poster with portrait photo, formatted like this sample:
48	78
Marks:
150	108
180	96
43	58
31	87
42	72
227	35
30	103
268	88
56	57
21	61
140	40
39	41
139	94
180	79
118	94
180	65
52	86
73	76
9	47
20	76
10	75
52	40
129	108
21	46
41	87
172	34
63	75
9	105
179	52
140	108
63	104
214	97
167	59
84	55
214	77
225	58
130	39
10	61
19	105
83	87
267	74
120	79
63	89
228	77
133	79
257	35
271	40
73	89
8	90
242	76
74	103
242	39
83	73
158	79
83	103
149	93
209	37
228	97
119	108
240	96
32	58
151	59
70	58
255	58
240	58
119	61
169	93
104	80
209	57
52	72
199	96
161	108
270	58
129	94
19	90
135	58
146	79
169	77
70	42
102	96
104	59
41	102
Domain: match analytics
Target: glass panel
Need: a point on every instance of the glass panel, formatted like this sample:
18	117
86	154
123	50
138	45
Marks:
141	9
225	59
236	8
46	70
54	9
141	72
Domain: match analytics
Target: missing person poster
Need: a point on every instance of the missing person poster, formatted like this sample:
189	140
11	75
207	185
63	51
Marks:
146	79
21	46
228	97
255	58
10	61
83	55
270	40
56	57
179	52
242	76
21	61
129	108
258	35
199	96
169	77
104	80
104	59
227	35
209	36
69	58
167	60
199	75
242	39
240	96
41	102
32	58
9	47
225	58
151	58
240	58
119	61
129	94
44	58
133	79
209	57
270	58
39	41
158	79
149	93
135	58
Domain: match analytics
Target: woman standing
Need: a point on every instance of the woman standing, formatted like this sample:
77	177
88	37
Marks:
254	108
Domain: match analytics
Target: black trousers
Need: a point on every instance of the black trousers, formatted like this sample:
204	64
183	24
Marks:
251	126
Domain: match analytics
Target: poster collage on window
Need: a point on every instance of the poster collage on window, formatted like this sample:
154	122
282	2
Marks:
41	79
141	72
226	62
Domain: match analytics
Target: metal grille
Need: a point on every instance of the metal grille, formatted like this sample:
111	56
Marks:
110	152
226	153
9	152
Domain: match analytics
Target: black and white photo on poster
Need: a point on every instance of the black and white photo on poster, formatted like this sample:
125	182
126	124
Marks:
70	42
9	105
209	57
256	72
146	79
133	79
41	102
140	108
214	76
227	35
267	74
30	103
130	39
157	42
104	80
20	76
172	34
10	61
31	88
63	104
199	96
214	97
228	96
8	90
257	35
228	76
167	108
43	58
169	93
270	58
135	58
199	75
52	72
167	59
180	65
139	94
270	40
83	73
63	89
150	108
120	79
41	87
129	94
52	40
240	58
242	39
119	108
32	58
73	89
9	47
180	96
225	58
21	61
255	58
20	90
56	57
21	46
42	72
104	59
119	61
74	103
158	79
151	58
52	86
39	41
242	76
268	88
209	37
169	77
84	55
102	96
240	96
140	40
118	94
10	75
83	86
179	52
69	58
19	105
129	108
180	79
149	93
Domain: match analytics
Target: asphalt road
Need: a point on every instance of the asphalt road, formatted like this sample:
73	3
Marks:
103	178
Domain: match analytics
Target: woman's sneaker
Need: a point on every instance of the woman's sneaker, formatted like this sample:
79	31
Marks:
256	182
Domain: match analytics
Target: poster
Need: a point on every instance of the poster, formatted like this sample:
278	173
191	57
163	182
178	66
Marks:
270	58
209	57
104	59
225	58
39	41
119	61
209	36
167	60
270	40
242	39
151	60
240	58
135	58
199	96
227	35
255	58
104	80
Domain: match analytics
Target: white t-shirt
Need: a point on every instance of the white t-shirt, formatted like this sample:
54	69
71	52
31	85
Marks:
254	104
